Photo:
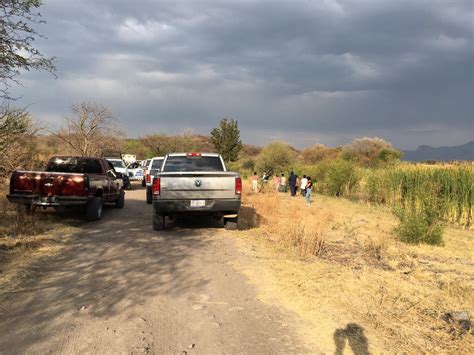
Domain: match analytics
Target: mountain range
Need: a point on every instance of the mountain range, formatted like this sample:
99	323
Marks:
425	152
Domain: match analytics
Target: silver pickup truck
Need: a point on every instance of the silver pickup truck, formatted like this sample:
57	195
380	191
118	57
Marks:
196	183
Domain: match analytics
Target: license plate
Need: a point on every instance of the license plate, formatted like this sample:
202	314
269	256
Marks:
198	203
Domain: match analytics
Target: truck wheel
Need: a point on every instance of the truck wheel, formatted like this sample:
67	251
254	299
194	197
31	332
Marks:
231	223
149	195
158	222
61	211
220	221
94	209
120	203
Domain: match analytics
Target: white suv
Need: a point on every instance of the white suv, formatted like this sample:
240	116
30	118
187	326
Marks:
152	169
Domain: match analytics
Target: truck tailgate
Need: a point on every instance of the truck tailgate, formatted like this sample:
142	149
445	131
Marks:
186	186
47	183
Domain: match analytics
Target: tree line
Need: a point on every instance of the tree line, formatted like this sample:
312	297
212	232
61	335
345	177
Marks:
91	129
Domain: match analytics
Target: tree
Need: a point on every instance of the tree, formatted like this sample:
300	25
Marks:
162	144
318	152
17	143
91	130
275	158
17	53
370	152
226	139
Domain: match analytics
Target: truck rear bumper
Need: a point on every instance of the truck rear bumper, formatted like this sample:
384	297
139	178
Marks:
48	201
223	206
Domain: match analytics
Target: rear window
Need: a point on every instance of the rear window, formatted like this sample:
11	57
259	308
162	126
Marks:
117	163
184	163
74	165
157	163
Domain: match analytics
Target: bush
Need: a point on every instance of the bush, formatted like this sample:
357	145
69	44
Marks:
319	152
371	152
277	157
421	219
342	178
337	178
248	164
17	140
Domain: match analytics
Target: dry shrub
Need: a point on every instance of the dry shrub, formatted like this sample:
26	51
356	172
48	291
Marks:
306	238
14	221
377	246
287	222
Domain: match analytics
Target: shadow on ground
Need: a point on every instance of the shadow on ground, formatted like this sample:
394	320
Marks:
353	335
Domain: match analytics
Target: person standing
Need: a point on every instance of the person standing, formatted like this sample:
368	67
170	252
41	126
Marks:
304	181
292	182
283	183
254	179
309	187
297	185
276	181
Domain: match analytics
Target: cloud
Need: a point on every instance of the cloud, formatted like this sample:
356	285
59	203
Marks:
329	70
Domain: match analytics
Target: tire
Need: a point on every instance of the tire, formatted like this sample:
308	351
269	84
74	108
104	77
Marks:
220	221
158	222
120	203
231	223
94	209
149	195
61	211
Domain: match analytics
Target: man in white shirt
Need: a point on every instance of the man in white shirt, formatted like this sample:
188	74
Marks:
304	181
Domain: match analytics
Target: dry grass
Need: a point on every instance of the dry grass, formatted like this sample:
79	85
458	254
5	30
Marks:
301	230
26	238
341	265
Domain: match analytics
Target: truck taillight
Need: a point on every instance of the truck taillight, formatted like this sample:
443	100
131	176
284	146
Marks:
156	186
148	178
238	186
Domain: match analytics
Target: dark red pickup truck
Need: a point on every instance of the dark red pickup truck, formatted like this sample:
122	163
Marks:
69	181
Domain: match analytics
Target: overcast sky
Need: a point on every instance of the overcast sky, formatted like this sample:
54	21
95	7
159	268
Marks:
321	71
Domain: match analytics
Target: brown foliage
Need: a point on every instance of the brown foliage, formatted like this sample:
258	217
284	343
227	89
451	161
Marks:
367	151
17	144
319	152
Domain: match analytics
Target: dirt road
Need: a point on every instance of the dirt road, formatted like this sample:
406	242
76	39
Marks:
119	286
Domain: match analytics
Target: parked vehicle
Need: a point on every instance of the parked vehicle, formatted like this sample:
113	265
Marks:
135	171
196	183
129	158
120	167
144	165
69	181
153	168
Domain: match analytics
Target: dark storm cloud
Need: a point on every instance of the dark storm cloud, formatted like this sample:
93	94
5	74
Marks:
303	71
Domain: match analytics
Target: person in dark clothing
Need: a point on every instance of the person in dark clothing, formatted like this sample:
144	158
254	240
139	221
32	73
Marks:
292	182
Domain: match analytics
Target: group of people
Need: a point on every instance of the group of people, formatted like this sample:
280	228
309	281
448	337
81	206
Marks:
281	184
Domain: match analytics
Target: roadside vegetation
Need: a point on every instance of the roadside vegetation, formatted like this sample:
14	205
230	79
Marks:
341	262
